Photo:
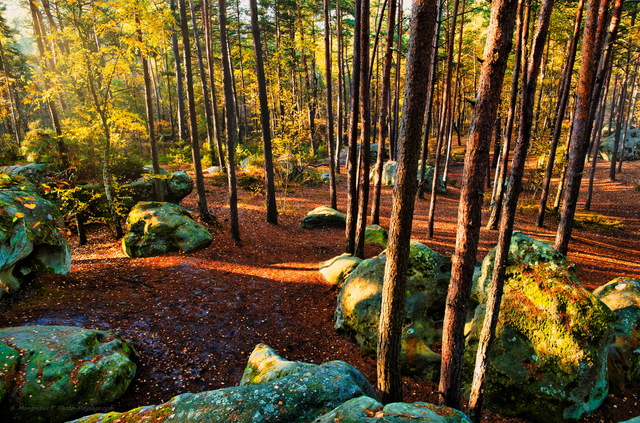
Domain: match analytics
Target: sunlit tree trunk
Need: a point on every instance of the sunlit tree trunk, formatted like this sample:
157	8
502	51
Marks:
561	107
583	117
456	89
595	143
352	162
272	207
206	12
383	125
522	29
203	80
193	118
329	106
629	116
365	139
232	131
430	106
496	56
40	37
151	127
340	99
404	194
393	136
182	119
494	299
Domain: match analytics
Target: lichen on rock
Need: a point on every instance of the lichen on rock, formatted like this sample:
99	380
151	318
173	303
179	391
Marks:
30	234
156	228
59	370
549	356
359	302
622	295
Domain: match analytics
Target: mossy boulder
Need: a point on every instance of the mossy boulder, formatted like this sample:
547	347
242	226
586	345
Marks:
33	172
175	186
337	269
323	217
631	145
367	410
30	235
273	391
9	360
61	370
359	302
622	295
156	228
376	234
390	168
89	200
549	358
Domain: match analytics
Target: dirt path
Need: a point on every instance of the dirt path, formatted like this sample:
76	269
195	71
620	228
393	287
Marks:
195	318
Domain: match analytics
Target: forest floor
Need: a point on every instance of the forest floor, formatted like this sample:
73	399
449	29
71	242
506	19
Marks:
195	318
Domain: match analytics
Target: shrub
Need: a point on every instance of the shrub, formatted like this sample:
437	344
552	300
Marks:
250	182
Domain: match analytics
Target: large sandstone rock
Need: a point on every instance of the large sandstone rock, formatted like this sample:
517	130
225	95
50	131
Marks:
33	172
622	295
359	302
57	371
30	235
376	234
156	228
337	269
549	358
631	145
390	168
275	390
90	202
176	186
323	217
367	410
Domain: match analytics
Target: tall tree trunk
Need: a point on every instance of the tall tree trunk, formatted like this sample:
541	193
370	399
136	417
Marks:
456	90
445	116
583	118
561	107
203	79
430	106
629	116
595	143
618	132
365	140
352	165
40	37
383	125
496	56
311	107
180	94
13	103
245	123
522	29
151	127
404	193
272	207
509	209
341	96
193	118
232	131
393	138
329	106
206	12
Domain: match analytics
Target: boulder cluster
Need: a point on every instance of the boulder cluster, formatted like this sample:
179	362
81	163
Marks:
559	349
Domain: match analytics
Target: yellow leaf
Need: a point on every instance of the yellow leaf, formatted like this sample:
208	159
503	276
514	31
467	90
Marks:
19	215
30	206
36	225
